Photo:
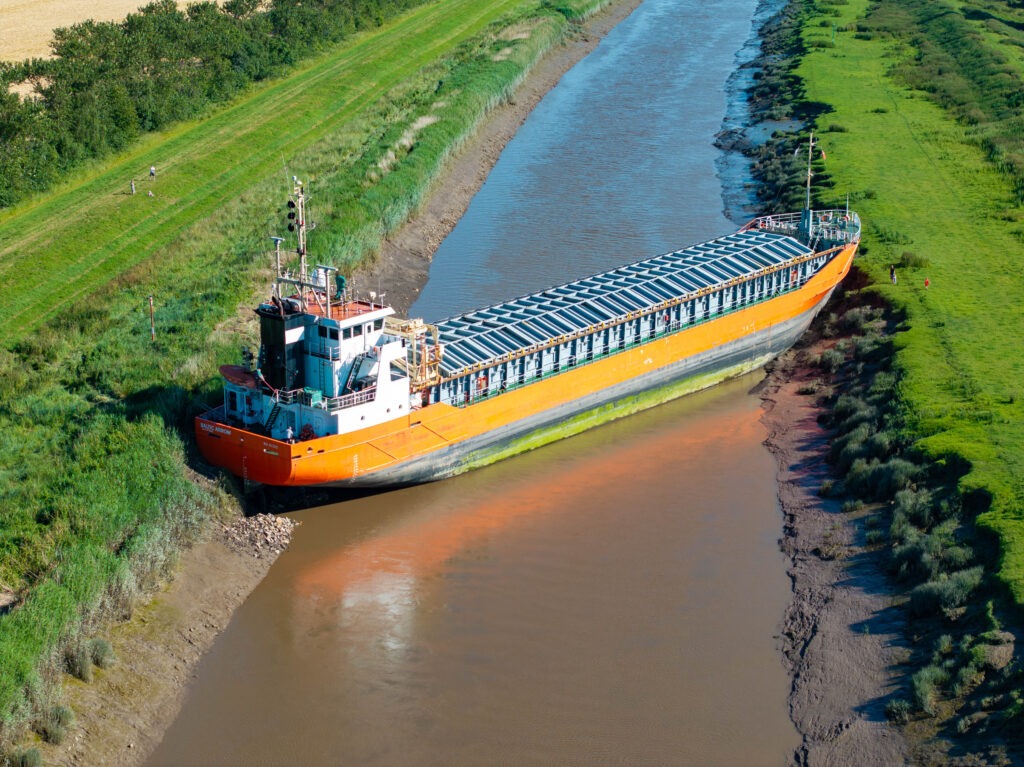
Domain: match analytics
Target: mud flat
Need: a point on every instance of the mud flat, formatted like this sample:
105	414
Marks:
841	635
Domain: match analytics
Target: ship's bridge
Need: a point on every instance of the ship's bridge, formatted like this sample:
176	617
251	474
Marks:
485	336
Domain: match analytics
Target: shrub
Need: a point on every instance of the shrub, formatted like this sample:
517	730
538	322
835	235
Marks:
926	684
850	410
916	505
62	715
892	476
854	320
831	360
898	710
849	447
102	653
78	661
949	591
876	481
30	757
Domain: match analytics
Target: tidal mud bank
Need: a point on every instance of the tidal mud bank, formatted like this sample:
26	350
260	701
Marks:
841	636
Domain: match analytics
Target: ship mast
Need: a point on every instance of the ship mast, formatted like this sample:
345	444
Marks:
304	283
810	157
807	217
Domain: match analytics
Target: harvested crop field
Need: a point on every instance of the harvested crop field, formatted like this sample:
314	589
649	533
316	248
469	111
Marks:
28	24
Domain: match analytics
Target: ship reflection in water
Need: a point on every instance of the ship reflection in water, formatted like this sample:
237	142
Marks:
610	598
551	605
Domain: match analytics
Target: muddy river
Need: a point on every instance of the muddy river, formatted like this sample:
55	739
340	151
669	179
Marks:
610	599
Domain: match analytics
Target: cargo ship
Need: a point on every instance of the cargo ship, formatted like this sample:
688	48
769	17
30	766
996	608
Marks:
343	393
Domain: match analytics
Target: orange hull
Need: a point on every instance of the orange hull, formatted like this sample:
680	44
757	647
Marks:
368	456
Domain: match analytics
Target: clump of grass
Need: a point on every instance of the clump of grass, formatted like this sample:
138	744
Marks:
101	653
911	260
30	757
78	661
898	710
54	727
831	360
947	593
874	537
927	684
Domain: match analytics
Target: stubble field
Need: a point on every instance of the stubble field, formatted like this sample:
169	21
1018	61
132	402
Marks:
28	24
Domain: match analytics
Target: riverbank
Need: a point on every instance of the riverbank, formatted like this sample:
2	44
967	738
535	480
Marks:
841	635
122	714
827	660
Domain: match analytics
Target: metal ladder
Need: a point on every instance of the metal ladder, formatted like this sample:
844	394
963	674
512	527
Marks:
274	412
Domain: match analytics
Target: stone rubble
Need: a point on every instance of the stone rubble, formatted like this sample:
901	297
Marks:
262	534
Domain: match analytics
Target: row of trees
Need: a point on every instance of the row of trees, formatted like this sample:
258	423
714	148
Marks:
110	82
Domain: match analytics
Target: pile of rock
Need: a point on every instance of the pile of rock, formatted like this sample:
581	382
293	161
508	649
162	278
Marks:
262	535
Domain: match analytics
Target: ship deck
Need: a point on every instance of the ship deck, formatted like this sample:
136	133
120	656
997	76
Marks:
489	334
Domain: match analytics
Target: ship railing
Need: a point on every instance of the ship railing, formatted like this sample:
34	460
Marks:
838	225
783	223
618	346
334	404
315	398
288	396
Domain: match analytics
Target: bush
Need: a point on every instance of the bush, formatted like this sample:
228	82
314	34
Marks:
850	410
102	653
30	757
849	447
898	711
78	661
831	360
926	685
915	505
62	715
946	593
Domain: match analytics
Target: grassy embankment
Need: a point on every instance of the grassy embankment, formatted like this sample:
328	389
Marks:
921	129
94	417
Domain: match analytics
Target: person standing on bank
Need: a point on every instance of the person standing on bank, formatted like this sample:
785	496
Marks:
152	172
892	274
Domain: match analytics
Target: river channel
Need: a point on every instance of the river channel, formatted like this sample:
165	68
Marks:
609	599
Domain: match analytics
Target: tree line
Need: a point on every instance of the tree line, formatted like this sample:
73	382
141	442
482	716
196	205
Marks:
110	82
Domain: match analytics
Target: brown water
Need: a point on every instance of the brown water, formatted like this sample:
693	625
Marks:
610	599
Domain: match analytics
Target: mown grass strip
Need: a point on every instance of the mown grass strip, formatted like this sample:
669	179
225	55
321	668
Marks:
64	245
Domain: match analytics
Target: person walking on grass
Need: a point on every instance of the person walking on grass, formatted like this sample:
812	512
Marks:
892	273
152	172
133	186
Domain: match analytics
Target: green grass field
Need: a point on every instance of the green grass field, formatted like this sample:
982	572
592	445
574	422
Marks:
66	244
924	186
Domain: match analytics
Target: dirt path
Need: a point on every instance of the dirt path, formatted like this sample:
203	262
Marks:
840	636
